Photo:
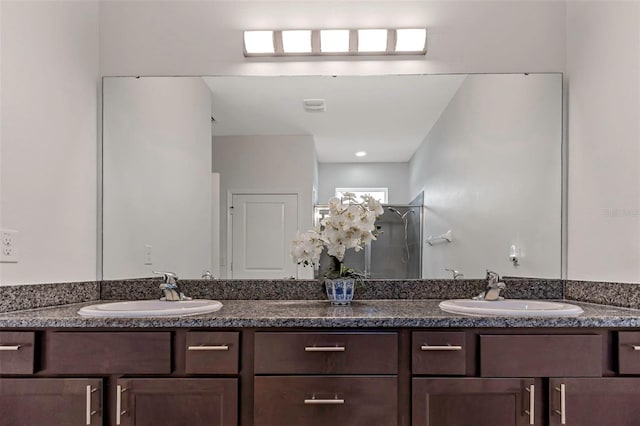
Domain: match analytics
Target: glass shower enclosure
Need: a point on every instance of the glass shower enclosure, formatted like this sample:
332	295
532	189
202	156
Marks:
397	251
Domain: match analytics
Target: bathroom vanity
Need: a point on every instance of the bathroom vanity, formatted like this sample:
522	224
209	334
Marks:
400	362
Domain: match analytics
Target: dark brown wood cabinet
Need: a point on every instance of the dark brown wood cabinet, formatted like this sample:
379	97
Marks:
594	402
17	352
108	352
309	377
50	402
153	402
476	401
322	378
326	353
326	400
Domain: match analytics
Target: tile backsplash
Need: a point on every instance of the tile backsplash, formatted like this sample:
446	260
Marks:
31	296
20	297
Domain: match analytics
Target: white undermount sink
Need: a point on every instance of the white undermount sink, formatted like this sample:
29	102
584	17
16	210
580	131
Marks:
151	308
510	308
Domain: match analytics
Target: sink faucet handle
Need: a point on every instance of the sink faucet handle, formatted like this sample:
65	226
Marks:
456	274
169	277
492	277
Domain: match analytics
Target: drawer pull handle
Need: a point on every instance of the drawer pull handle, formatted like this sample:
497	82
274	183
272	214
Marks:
440	348
119	410
209	348
332	401
532	404
563	404
324	349
635	347
89	412
10	347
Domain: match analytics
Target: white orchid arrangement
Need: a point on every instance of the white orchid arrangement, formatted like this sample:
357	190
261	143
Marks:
349	224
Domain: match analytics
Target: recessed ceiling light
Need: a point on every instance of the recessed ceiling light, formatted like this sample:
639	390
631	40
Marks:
258	42
372	40
334	41
361	154
411	40
296	41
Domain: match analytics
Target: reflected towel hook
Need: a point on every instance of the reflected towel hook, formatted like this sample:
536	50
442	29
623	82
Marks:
447	236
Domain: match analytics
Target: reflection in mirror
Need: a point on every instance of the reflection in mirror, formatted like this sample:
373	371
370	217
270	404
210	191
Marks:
218	173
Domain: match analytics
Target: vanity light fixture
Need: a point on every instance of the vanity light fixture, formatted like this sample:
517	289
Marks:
361	154
336	42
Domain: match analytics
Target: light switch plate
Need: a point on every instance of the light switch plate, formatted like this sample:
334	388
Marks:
148	254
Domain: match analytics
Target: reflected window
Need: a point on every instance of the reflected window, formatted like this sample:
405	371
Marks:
380	194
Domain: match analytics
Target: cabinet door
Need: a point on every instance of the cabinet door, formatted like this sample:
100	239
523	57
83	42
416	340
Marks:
594	402
475	401
51	402
153	402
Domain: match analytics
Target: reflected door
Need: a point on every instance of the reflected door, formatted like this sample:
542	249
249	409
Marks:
262	229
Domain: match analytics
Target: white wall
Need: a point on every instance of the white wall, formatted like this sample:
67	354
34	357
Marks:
265	164
491	172
157	176
603	66
394	176
205	37
49	78
192	38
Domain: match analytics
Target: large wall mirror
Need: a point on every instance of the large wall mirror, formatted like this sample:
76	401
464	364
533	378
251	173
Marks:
218	173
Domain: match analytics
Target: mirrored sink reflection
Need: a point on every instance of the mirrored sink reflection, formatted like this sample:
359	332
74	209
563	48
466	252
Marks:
510	308
151	308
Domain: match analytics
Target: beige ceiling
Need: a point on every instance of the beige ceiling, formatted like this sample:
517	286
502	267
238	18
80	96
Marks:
386	116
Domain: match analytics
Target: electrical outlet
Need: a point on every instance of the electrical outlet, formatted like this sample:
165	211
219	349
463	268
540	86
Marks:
8	246
148	260
7	237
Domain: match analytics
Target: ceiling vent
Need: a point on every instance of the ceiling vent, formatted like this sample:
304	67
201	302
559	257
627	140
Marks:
315	105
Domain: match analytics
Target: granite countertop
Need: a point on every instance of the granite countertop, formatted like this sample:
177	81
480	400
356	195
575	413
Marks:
303	313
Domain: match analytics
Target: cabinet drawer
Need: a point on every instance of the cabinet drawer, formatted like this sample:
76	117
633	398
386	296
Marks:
212	352
326	400
108	353
326	353
629	352
541	355
16	352
436	352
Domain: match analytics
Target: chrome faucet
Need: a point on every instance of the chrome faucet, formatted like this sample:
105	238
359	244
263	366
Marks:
456	274
494	287
172	291
207	275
